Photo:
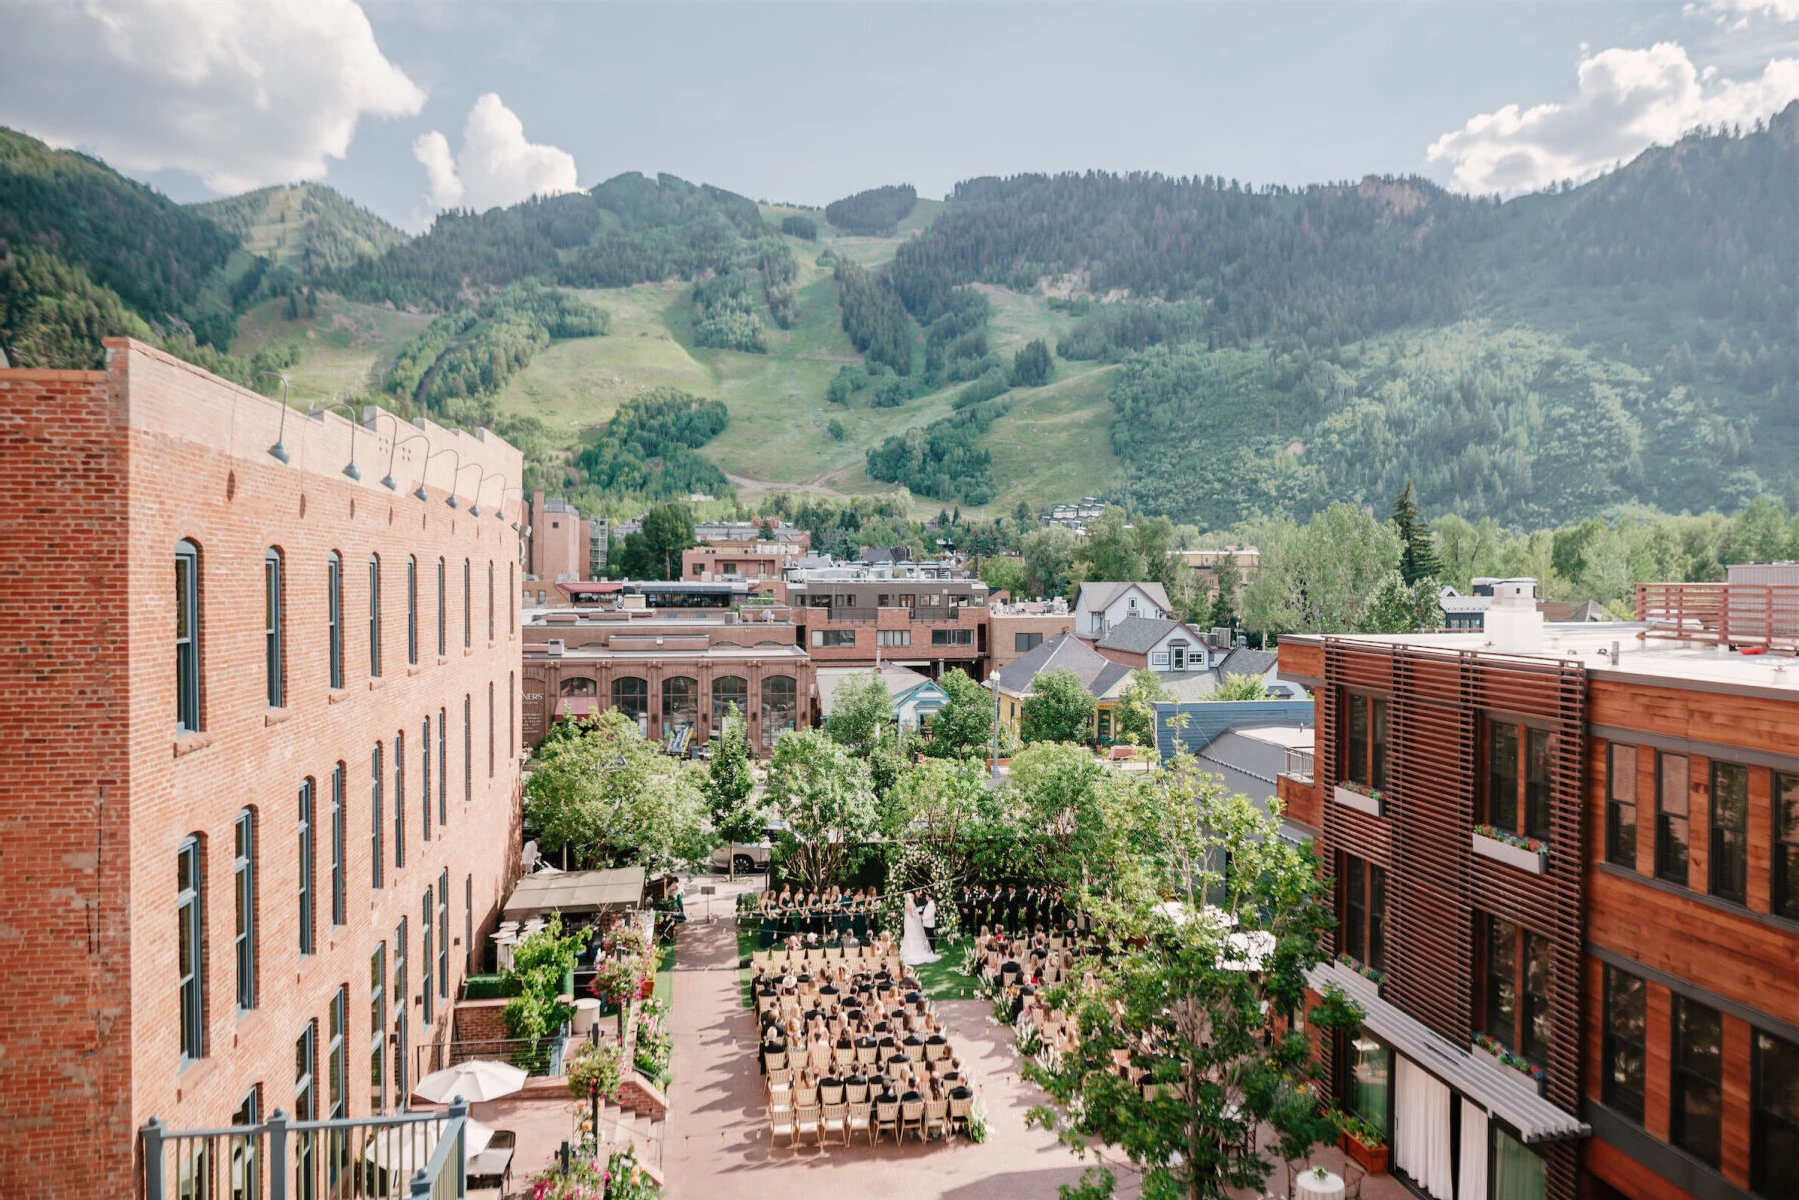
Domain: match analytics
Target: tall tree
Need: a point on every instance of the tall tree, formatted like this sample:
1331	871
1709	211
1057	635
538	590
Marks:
654	552
1059	708
964	726
1418	555
859	710
1137	707
730	787
1048	560
825	796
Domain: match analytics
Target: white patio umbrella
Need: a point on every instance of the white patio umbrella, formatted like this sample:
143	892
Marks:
409	1146
476	1080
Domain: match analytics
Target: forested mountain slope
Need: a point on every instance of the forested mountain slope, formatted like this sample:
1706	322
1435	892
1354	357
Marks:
307	227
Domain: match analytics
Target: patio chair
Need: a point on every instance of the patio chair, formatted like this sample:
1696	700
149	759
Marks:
887	1117
836	1121
830	1093
805	1096
860	1120
1353	1174
806	1123
856	1093
958	1113
911	1117
936	1117
781	1080
866	1055
821	1060
776	1060
780	1121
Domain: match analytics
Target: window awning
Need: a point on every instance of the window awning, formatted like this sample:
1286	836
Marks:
1510	1094
575	892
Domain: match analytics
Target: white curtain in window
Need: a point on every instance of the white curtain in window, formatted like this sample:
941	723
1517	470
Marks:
1474	1153
1421	1143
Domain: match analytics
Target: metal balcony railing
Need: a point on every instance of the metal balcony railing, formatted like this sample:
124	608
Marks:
405	1156
1734	614
1299	765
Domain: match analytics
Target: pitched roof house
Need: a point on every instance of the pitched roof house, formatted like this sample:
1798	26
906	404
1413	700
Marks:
1159	643
1101	605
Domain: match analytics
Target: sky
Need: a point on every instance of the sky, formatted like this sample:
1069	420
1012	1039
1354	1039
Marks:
411	107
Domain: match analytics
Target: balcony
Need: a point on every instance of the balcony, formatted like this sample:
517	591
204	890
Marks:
1731	614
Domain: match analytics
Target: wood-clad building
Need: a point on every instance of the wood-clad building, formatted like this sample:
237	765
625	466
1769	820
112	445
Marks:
1566	865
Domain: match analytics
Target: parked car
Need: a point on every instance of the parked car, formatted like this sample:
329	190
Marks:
749	858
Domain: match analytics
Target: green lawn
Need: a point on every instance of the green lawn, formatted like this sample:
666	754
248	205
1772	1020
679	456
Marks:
665	974
342	344
1056	442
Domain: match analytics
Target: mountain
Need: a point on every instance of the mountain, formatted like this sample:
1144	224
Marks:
307	227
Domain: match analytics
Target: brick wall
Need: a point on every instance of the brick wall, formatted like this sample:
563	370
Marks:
64	868
107	474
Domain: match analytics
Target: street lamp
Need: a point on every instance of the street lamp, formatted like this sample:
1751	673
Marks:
352	470
279	450
389	483
426	470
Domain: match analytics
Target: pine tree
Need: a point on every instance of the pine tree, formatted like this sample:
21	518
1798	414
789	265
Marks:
1418	557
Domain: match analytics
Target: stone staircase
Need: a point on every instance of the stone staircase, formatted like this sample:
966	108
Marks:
644	1133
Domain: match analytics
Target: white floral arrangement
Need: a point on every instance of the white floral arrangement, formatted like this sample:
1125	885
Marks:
978	1129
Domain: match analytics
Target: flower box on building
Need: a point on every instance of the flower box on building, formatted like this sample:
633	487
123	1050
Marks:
1372	1159
1525	859
1535	1077
1374	806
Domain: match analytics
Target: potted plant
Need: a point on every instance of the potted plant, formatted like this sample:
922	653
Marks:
1364	1143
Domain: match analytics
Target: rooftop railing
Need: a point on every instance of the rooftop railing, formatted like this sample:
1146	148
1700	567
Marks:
1734	614
402	1156
1299	765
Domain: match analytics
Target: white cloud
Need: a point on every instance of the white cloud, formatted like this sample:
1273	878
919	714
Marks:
243	93
1626	101
1737	13
497	166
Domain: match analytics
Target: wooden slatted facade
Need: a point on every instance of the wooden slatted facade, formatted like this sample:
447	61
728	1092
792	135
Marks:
1435	883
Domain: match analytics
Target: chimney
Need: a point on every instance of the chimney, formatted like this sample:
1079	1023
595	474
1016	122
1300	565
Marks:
1513	624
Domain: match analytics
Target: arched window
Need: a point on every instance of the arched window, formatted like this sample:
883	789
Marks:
412	612
187	636
631	696
680	703
728	690
779	695
334	616
374	616
442	645
189	897
272	598
580	685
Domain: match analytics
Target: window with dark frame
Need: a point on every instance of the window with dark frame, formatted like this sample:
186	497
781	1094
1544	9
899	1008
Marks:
378	1029
428	958
425	776
1671	799
339	847
468	607
468	922
443	768
1785	798
1024	643
187	637
272	656
402	1089
1513	970
1623	1046
304	866
244	907
377	825
1727	859
189	889
468	748
334	617
490	725
246	1153
1774	1116
1519	779
412	612
1696	1080
305	1109
490	609
1621	806
1365	757
337	1080
443	934
399	800
374	616
442	644
1365	912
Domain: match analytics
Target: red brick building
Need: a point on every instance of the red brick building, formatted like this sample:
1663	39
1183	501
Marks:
263	790
921	615
1567	885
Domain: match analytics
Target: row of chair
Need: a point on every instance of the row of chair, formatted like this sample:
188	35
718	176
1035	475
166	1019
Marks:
824	954
821	1122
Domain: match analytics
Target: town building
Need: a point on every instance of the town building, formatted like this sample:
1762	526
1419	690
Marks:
1104	679
716	533
916	698
1566	865
1017	627
1100	606
264	757
1205	564
1157	643
1075	516
924	615
1466	612
757	560
559	547
677	675
1249	744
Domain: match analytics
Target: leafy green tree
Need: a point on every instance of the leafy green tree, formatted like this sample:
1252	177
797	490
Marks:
1418	558
1055	790
611	798
654	552
859	710
834	427
1136	713
730	787
1192	1006
1003	573
946	805
1048	560
963	728
1316	577
1059	708
800	226
825	796
1240	687
1032	365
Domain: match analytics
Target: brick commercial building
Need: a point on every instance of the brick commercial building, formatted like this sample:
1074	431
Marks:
1567	885
675	675
922	615
263	784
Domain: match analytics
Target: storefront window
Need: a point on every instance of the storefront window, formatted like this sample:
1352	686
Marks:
631	696
778	707
729	691
1371	1081
680	703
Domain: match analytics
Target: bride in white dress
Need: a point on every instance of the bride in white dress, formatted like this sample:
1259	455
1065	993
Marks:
915	947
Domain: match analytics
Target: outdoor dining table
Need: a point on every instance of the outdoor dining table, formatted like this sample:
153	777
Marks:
1319	1184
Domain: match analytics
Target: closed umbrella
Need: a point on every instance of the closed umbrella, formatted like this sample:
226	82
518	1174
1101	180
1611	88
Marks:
480	1079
